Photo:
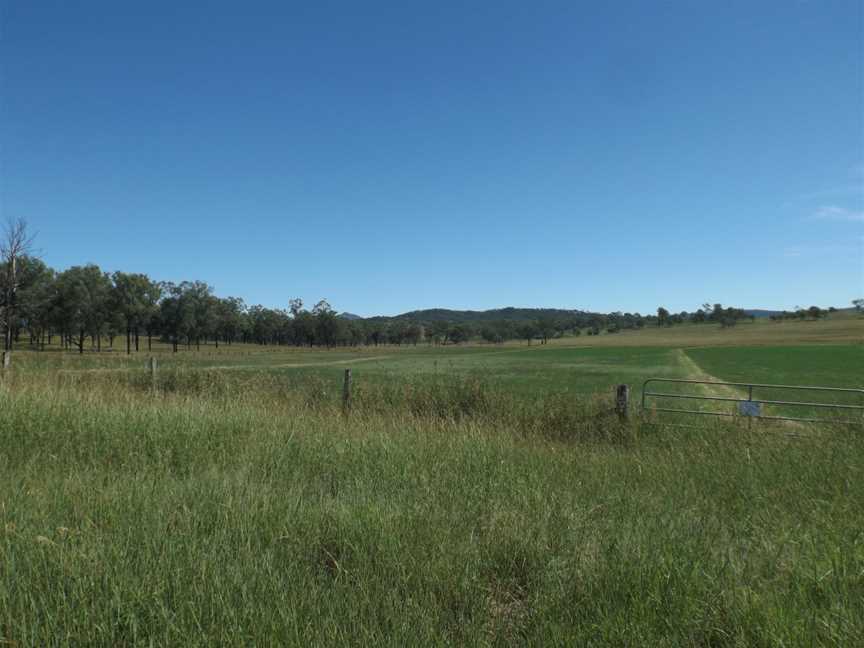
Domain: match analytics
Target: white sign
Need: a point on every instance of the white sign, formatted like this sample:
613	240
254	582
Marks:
749	408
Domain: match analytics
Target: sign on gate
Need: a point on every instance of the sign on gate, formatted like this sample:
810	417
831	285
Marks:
769	407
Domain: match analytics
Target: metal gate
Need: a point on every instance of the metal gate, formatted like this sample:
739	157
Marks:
753	408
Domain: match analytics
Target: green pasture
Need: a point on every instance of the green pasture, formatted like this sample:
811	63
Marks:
576	365
475	495
840	365
522	371
195	518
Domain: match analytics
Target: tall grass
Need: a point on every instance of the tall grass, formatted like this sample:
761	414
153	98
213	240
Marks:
212	508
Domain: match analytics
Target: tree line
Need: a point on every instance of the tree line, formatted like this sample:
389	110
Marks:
813	312
84	307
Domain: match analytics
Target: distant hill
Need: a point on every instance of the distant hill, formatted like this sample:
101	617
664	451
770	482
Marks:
509	313
496	314
759	312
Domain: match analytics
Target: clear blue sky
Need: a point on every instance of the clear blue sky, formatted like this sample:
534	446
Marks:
398	155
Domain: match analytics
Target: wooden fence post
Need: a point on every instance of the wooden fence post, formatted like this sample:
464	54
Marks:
7	359
622	401
346	393
153	369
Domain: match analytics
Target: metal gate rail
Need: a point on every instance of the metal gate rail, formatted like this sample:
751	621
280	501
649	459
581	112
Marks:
752	408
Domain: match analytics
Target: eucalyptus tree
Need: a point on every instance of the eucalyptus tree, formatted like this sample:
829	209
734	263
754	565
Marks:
149	313
176	315
15	244
229	319
527	331
356	333
546	327
82	303
35	298
413	333
134	299
169	314
295	306
303	328
396	332
460	332
326	323
263	324
490	334
198	298
439	332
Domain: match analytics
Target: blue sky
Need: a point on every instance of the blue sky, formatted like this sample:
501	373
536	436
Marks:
395	155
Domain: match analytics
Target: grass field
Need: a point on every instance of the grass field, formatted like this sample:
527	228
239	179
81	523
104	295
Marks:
477	495
839	365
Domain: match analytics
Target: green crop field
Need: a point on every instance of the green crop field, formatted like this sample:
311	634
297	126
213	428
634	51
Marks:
840	365
474	495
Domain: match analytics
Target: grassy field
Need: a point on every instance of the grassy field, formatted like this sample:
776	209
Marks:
839	365
476	495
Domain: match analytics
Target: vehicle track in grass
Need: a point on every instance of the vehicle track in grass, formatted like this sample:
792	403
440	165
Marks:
695	372
286	365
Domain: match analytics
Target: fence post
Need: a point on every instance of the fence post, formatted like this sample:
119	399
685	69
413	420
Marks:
622	401
346	393
152	365
7	359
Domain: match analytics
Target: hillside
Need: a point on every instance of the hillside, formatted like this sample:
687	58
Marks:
760	312
509	313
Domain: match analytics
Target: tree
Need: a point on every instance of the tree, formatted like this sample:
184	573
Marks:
304	326
460	333
266	324
527	331
546	328
662	317
68	307
326	323
815	312
295	306
858	304
439	332
83	303
489	334
228	313
35	299
134	297
413	333
179	310
15	244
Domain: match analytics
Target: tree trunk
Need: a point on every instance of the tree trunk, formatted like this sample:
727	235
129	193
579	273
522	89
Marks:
128	341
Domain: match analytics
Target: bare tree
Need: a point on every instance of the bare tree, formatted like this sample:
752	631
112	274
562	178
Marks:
15	243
